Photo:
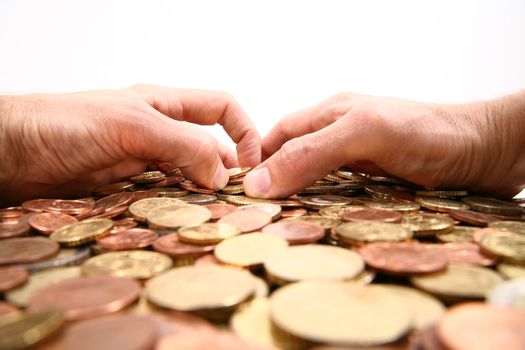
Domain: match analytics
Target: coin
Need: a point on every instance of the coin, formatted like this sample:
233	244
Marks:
139	264
26	250
114	200
370	214
190	186
86	297
405	207
39	280
441	204
296	232
458	234
111	332
508	246
370	231
174	216
481	326
327	222
217	340
234	173
511	271
166	182
459	282
493	206
8	310
126	239
140	209
15	228
170	192
400	258
293	213
514	226
106	190
472	217
46	223
273	209
249	249
233	189
509	294
321	311
82	232
219	210
207	233
11	277
312	262
29	329
143	194
148	177
172	246
198	288
247	220
323	201
442	193
424	225
201	199
64	257
379	191
11	214
467	253
478	234
66	206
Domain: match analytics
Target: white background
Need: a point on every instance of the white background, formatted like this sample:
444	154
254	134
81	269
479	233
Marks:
274	56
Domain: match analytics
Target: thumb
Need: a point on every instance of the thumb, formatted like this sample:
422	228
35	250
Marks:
303	160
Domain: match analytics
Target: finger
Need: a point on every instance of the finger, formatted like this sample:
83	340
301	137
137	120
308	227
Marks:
228	157
305	159
208	108
194	151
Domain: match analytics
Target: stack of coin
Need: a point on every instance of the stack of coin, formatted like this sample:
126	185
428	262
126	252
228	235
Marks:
157	261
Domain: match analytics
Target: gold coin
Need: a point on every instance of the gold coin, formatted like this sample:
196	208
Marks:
82	232
337	211
148	177
442	193
140	209
261	287
512	226
249	249
493	206
39	280
327	222
273	209
509	246
193	288
441	204
174	216
208	233
234	173
364	278
233	189
324	201
405	207
511	271
340	313
459	282
28	329
423	225
458	235
369	231
307	262
243	200
139	264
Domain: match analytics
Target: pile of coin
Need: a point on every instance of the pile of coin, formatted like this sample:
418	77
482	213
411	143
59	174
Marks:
353	261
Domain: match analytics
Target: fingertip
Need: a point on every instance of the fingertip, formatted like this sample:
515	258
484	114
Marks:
220	178
258	183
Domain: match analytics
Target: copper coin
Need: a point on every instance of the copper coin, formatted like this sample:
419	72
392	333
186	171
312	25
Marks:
236	181
35	205
114	200
7	309
296	232
478	235
480	326
46	223
288	203
371	214
170	245
138	195
111	213
14	228
133	238
217	340
403	258
11	214
247	220
219	210
172	322
467	253
168	181
148	177
292	213
190	186
90	214
111	332
11	277
122	225
66	206
26	250
84	297
208	259
472	217
106	190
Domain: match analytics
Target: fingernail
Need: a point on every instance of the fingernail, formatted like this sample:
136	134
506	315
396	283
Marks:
221	178
257	183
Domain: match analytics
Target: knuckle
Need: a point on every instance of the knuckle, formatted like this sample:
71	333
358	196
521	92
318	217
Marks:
294	154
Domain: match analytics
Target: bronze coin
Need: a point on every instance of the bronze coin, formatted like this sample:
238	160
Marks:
14	228
111	332
371	214
114	200
472	217
122	225
148	177
170	245
467	253
35	205
168	181
11	277
46	223
217	340
403	258
111	213
85	297
7	309
106	190
190	186
66	206
172	322
138	195
292	213
133	238
478	235
208	259
11	214
219	210
26	250
247	220
90	214
296	232
481	326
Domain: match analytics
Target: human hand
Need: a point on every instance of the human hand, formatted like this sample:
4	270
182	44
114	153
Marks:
477	146
64	145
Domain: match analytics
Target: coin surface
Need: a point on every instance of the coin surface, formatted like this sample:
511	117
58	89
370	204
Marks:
403	258
11	277
172	246
339	313
207	233
249	249
174	216
16	228
192	288
219	210
82	232
513	226
86	297
324	200
65	257
247	220
106	190
127	239
472	217
371	214
404	207
46	223
327	222
458	234
140	264
511	271
273	209
148	176
197	198
424	225
140	208
509	246
26	250
296	232
313	262
467	253
234	173
493	206
369	231
441	204
217	340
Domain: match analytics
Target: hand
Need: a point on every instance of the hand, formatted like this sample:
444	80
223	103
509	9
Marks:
478	146
64	145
